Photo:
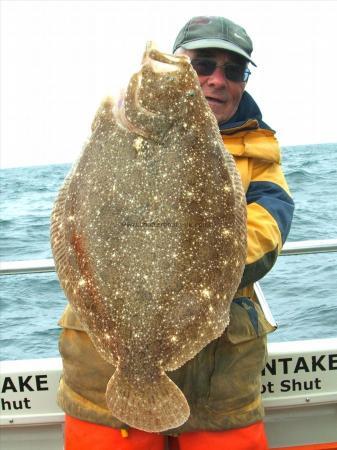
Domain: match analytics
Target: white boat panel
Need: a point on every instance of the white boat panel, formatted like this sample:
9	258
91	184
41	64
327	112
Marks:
39	437
28	391
300	372
301	425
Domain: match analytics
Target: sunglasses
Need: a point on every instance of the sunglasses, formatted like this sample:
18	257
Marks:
233	72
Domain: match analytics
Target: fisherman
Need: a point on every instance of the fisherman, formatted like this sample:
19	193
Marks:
221	383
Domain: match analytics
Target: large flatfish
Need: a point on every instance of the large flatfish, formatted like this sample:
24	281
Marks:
149	237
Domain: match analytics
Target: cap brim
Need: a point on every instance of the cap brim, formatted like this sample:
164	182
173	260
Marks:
217	43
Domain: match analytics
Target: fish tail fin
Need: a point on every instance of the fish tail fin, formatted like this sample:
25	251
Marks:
154	406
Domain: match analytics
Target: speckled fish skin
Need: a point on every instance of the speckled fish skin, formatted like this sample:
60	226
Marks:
149	237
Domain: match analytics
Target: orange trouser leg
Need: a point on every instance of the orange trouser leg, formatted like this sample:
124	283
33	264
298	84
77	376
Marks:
252	437
81	435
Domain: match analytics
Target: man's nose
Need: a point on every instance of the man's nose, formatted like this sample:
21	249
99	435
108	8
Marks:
217	78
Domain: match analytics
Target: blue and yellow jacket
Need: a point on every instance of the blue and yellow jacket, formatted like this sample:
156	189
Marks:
269	205
222	382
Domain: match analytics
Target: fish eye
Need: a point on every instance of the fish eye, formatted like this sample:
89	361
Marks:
190	93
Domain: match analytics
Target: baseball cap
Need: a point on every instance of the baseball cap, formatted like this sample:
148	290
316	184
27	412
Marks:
214	32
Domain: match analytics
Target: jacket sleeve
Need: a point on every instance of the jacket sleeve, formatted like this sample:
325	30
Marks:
269	214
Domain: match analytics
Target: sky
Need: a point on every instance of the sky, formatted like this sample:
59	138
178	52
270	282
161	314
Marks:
60	58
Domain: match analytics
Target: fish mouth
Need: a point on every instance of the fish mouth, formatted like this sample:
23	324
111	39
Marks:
162	62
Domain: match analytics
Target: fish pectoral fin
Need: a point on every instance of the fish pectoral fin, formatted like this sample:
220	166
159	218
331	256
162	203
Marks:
152	406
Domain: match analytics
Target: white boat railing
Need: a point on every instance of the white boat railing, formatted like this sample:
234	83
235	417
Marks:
27	266
47	265
311	246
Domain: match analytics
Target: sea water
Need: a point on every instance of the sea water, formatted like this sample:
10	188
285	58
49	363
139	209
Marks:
301	290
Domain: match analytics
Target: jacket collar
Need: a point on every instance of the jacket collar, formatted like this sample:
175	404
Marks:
247	117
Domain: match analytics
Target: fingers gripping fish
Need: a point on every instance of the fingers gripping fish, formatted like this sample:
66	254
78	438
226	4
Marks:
149	237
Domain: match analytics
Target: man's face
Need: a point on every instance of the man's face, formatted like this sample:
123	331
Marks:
223	95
